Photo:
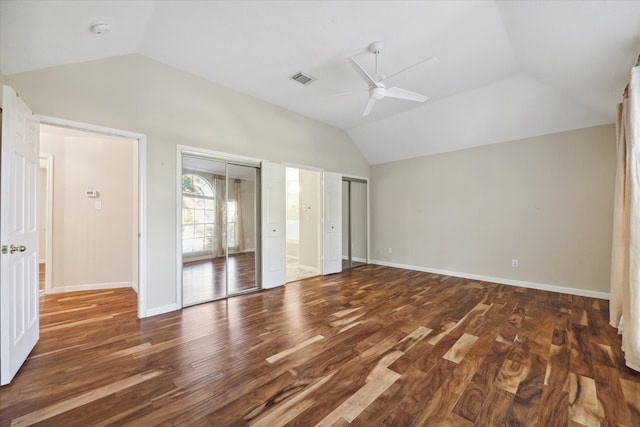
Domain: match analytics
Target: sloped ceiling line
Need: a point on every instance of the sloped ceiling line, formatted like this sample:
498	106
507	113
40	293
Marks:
544	66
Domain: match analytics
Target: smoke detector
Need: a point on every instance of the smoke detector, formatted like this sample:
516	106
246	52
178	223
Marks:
99	28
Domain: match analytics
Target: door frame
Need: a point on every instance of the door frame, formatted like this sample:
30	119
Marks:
48	239
142	194
186	150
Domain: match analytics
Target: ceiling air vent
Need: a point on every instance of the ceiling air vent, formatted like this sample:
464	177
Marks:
302	78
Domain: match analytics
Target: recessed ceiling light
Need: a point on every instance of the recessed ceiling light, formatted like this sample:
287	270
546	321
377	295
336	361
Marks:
99	28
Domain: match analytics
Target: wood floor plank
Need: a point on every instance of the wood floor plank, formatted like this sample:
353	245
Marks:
285	353
631	391
460	349
580	351
526	404
609	392
83	399
584	406
495	408
380	408
557	372
369	347
554	407
472	399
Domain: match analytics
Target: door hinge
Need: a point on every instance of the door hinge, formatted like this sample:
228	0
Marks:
5	249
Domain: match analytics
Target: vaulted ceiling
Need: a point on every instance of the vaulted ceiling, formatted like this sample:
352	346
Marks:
507	69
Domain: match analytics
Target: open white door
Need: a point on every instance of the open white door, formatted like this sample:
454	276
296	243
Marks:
274	204
332	252
19	310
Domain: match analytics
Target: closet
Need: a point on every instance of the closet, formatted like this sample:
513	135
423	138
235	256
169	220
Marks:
219	229
354	222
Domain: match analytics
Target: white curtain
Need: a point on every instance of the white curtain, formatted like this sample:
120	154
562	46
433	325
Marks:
624	312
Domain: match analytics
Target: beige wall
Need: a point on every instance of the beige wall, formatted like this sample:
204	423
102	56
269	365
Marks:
546	201
90	247
171	107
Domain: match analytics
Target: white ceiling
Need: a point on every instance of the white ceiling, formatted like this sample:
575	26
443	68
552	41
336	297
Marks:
508	69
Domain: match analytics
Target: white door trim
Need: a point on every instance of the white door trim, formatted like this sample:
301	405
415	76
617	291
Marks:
48	158
142	195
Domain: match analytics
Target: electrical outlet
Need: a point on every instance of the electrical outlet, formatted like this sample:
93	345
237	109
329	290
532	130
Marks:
515	263
390	250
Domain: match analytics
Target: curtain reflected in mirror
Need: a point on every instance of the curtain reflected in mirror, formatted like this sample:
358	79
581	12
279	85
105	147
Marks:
241	229
218	229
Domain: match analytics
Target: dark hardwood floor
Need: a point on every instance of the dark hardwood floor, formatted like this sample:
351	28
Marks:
368	347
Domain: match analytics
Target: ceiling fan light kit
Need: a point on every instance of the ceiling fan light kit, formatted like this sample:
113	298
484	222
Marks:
377	90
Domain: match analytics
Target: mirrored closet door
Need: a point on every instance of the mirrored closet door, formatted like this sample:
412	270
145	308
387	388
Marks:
219	217
354	223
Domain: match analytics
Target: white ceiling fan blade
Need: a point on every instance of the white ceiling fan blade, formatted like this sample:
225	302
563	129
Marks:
431	61
370	81
369	107
396	92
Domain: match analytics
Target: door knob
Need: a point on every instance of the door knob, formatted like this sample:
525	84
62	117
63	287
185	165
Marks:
15	249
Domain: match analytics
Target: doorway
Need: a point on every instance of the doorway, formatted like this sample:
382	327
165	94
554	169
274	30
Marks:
90	236
354	223
218	229
303	231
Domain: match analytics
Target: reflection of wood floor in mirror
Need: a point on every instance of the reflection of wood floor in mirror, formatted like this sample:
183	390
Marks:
205	280
354	264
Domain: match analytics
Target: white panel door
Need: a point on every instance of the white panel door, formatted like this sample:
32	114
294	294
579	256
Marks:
332	223
274	203
19	299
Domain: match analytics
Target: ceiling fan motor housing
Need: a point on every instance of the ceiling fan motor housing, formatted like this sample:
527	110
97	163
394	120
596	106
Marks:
375	47
377	93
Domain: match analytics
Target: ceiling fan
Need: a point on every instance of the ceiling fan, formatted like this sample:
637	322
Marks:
377	90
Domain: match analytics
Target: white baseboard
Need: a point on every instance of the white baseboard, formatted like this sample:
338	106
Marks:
161	310
500	280
91	287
